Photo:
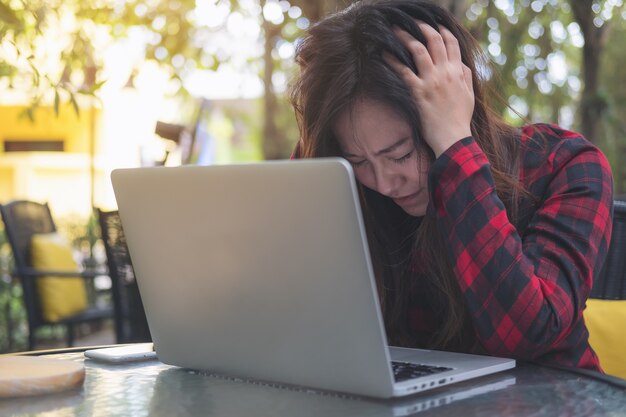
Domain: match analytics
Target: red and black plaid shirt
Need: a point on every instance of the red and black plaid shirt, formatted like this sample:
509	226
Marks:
525	286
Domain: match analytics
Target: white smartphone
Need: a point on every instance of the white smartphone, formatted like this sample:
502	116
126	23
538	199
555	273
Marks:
123	354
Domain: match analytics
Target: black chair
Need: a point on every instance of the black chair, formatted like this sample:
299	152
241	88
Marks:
611	283
131	324
605	315
22	219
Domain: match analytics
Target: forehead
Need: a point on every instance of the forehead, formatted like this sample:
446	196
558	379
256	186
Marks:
369	125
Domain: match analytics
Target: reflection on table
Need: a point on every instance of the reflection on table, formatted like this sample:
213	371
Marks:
151	388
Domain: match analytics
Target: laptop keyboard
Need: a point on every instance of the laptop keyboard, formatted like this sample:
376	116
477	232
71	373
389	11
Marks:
403	371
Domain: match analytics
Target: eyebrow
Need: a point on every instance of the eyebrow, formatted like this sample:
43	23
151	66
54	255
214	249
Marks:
383	151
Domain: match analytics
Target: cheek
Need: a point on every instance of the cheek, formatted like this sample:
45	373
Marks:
415	177
423	163
420	173
364	177
423	167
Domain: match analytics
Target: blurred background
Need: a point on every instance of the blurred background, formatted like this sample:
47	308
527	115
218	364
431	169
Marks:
87	86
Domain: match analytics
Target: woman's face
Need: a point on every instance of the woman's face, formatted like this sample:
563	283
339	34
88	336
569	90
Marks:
379	145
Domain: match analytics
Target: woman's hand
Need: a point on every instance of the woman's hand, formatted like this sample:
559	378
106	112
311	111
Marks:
442	90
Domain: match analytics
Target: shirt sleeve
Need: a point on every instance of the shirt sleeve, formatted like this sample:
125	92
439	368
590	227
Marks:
524	291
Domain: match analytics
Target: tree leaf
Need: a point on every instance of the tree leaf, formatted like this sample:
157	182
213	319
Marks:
56	102
91	90
7	70
97	86
8	16
36	75
28	113
74	104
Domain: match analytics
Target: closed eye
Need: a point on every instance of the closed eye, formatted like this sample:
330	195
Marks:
404	157
358	163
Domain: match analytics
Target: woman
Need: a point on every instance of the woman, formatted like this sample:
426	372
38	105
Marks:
485	238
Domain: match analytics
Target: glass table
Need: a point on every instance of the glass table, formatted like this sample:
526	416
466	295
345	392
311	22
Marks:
151	388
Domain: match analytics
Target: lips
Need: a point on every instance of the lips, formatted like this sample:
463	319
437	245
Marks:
406	199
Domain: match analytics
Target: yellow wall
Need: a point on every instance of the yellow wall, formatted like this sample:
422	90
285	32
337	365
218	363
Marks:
6	182
59	178
73	129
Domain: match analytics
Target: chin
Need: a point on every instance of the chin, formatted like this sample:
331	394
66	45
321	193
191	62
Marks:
415	211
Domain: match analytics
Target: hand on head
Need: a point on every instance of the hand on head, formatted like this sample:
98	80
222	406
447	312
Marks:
442	88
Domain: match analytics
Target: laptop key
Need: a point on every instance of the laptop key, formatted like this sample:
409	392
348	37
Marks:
403	371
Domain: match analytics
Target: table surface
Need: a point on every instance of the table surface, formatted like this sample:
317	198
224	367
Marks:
151	388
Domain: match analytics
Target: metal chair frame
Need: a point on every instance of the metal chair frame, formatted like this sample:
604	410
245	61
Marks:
611	283
22	219
130	318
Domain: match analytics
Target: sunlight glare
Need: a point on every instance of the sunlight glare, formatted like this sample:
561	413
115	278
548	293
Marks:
209	13
559	34
535	29
273	12
576	35
242	26
557	68
141	10
286	50
302	23
507	7
494	49
519	105
159	22
160	53
574	83
225	83
537	6
294	12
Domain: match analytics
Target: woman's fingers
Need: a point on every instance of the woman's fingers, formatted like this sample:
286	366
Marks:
420	54
467	75
453	49
402	70
441	48
434	43
441	89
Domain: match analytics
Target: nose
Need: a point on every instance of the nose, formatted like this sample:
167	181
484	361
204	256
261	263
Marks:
387	181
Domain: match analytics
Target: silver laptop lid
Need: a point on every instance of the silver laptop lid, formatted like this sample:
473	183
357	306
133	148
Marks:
258	270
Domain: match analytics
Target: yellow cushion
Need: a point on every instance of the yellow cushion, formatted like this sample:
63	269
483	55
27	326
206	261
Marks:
60	297
606	321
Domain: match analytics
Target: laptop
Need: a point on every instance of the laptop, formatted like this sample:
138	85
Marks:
175	386
262	271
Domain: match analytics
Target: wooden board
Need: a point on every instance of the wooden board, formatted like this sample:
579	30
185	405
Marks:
31	375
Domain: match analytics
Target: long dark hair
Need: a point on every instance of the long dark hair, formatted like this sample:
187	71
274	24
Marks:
341	62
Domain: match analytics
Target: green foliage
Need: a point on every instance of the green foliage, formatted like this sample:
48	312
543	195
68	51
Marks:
75	230
13	328
24	63
80	28
613	121
522	41
522	37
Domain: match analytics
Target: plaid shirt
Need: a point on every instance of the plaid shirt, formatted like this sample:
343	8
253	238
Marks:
525	285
